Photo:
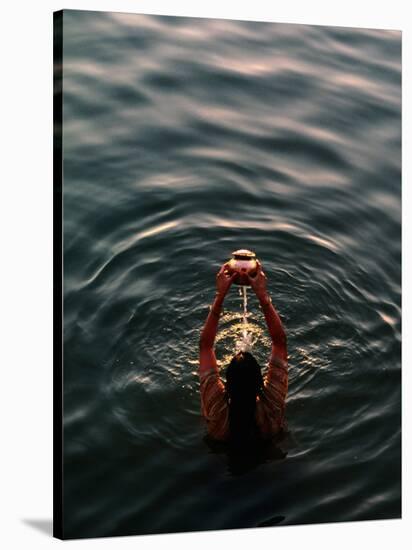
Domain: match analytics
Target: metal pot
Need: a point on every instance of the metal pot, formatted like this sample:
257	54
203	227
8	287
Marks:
243	262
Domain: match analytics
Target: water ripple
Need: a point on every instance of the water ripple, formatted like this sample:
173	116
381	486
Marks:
186	139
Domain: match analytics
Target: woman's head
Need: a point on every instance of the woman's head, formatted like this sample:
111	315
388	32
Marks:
243	377
244	382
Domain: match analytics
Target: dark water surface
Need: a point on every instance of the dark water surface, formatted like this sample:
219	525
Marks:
185	139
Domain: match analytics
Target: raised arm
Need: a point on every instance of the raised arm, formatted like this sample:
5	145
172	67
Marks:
207	357
274	324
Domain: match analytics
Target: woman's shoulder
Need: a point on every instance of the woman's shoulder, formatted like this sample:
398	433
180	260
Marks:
275	381
214	404
270	407
210	381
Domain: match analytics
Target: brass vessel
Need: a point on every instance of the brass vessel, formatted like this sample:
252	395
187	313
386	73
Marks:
243	262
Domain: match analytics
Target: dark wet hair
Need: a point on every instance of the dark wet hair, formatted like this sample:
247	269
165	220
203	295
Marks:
244	382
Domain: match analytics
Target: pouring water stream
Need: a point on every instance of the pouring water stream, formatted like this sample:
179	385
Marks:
246	342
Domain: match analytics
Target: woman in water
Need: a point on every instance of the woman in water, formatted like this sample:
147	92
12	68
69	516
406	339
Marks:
249	407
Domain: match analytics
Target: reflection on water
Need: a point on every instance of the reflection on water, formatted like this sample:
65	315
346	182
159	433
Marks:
231	335
185	139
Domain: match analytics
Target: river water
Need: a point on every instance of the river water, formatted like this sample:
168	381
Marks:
186	139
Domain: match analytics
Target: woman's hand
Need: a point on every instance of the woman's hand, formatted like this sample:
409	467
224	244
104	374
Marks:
223	280
258	282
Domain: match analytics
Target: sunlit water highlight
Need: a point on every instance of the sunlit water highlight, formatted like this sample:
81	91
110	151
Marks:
185	139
